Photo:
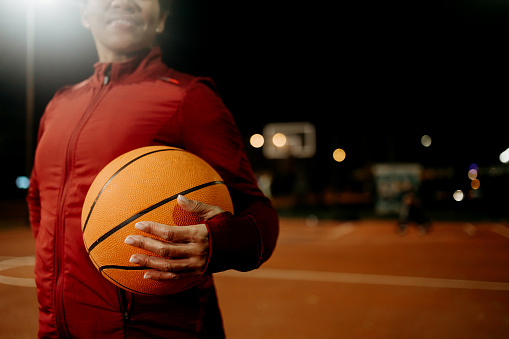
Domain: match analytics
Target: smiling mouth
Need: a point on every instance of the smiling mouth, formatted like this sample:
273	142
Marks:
124	23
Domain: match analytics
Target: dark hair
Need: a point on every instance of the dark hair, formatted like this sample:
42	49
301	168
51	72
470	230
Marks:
165	5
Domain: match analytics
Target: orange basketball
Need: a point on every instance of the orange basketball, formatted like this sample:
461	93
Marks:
143	185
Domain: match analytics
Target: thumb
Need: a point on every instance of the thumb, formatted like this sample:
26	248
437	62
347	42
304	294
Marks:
198	208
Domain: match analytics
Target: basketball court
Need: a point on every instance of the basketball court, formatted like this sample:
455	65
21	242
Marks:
333	279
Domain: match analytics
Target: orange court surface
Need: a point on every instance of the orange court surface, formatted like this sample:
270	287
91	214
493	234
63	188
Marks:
333	279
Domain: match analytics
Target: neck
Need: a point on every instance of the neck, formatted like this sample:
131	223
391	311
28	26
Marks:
109	56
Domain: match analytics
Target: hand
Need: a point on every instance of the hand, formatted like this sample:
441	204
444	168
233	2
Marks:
185	251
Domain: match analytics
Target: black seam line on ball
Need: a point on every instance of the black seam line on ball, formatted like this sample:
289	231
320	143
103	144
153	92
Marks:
123	286
115	174
151	208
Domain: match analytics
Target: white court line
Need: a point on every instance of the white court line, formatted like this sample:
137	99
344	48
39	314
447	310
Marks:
370	279
341	230
470	229
17	262
501	230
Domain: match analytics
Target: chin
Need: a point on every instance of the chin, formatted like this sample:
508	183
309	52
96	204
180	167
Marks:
128	48
128	42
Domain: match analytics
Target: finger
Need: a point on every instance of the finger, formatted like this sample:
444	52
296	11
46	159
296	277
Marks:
168	233
159	275
198	208
168	265
161	248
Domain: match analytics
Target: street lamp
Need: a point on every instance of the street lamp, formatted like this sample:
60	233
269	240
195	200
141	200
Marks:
30	86
30	81
26	12
33	7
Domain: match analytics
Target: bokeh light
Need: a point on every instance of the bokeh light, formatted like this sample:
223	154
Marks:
426	140
472	174
458	195
279	139
22	182
475	184
257	140
504	156
339	155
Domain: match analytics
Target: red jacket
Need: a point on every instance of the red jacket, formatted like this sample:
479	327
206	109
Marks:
124	106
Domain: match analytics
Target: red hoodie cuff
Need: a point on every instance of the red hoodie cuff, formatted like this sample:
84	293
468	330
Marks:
235	243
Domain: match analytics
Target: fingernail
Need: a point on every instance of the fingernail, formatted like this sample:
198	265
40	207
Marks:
147	276
183	199
129	240
139	225
134	260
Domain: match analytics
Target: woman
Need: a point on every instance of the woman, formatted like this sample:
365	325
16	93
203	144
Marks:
133	100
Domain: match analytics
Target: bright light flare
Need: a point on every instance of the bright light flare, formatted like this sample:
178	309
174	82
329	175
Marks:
504	156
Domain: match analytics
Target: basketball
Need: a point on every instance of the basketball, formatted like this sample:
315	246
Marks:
143	185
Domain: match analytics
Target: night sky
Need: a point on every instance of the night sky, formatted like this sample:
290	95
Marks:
372	76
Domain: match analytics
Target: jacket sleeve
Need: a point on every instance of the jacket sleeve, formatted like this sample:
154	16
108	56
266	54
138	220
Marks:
33	200
247	239
34	205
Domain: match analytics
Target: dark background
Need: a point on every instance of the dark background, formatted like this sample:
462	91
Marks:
372	76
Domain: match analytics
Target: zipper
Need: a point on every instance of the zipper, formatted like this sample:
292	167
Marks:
106	79
61	324
124	307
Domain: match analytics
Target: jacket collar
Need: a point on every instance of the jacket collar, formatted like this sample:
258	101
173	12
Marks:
129	71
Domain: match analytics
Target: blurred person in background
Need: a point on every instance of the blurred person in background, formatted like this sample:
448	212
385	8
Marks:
412	211
133	100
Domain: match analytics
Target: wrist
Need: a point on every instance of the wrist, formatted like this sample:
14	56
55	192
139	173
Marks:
234	243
